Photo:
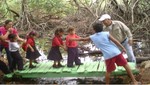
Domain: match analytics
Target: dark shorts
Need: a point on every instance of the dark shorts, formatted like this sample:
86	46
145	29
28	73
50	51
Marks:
119	60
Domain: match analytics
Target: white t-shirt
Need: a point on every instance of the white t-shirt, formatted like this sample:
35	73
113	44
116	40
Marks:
13	46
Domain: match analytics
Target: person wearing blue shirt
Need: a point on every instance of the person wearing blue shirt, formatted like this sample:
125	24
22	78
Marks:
108	45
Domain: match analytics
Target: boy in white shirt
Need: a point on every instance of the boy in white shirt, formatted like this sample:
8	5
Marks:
14	49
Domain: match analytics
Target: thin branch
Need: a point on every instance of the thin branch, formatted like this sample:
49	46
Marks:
132	11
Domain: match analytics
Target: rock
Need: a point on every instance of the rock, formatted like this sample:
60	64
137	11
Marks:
145	64
145	79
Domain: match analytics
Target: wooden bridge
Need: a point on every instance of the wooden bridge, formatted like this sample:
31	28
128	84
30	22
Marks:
88	69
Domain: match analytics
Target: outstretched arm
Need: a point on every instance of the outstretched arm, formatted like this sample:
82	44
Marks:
80	39
117	42
20	39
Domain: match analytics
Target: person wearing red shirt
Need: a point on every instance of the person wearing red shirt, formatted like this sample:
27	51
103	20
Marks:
4	43
55	53
32	53
72	48
3	65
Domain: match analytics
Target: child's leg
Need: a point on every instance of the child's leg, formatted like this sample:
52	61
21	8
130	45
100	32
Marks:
30	62
59	64
77	60
71	57
55	63
30	65
130	73
14	62
20	63
107	77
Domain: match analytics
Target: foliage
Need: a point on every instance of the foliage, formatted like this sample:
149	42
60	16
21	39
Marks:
52	7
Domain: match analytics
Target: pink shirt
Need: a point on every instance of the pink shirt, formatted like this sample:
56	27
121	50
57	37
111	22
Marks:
71	43
3	31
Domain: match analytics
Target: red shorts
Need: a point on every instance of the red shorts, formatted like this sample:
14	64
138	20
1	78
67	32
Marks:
119	60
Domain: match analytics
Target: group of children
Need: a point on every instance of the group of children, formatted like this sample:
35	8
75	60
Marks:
54	54
102	40
31	51
71	47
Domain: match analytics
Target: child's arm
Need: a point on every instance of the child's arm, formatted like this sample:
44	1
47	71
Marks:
3	37
21	39
6	35
80	39
64	47
117	43
28	45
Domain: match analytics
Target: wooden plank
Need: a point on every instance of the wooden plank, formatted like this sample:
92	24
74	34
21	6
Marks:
66	69
54	70
132	65
60	70
34	70
81	68
90	67
26	67
87	64
25	71
74	70
45	67
40	68
48	67
95	67
86	70
101	67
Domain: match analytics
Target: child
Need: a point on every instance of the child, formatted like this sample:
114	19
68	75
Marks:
72	48
111	53
14	51
55	53
32	53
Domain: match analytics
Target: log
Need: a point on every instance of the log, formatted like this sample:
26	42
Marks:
90	53
141	59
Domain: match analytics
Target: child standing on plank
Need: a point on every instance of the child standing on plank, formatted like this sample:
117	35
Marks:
55	53
72	48
111	53
32	53
14	51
